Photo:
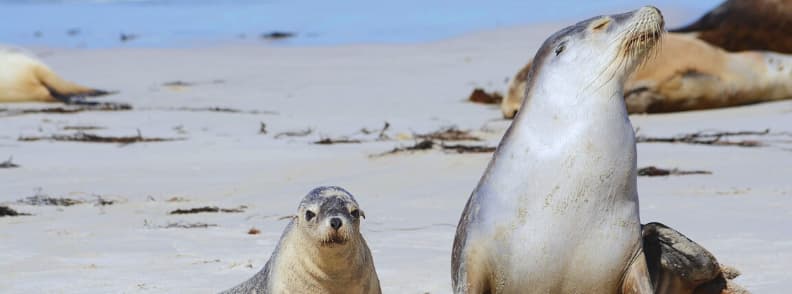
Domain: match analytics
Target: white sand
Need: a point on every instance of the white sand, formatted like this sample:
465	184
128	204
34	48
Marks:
742	212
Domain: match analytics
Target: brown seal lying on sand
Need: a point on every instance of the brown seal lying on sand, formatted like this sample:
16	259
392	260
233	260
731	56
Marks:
741	25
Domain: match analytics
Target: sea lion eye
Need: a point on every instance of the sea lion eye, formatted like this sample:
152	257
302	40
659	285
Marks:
309	215
356	213
560	48
601	25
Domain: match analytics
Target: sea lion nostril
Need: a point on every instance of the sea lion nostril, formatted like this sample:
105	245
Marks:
335	223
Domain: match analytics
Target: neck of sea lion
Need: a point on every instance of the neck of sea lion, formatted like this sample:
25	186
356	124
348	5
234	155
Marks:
583	125
329	269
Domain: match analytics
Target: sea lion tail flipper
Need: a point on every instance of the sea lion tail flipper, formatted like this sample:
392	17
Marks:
636	278
679	265
65	91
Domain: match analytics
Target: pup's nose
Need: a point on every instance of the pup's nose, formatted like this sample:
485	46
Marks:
335	223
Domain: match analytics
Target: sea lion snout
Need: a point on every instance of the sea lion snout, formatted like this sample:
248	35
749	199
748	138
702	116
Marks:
335	223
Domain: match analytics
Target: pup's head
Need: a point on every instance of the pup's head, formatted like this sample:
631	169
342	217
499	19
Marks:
330	216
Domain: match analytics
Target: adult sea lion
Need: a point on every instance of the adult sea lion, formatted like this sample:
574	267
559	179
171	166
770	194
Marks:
26	79
320	251
557	209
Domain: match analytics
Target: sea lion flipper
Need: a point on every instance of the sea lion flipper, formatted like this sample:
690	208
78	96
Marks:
636	279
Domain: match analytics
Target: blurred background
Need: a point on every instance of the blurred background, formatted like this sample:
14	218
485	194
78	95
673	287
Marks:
169	23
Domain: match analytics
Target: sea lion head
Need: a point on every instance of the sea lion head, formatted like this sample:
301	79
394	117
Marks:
330	216
594	54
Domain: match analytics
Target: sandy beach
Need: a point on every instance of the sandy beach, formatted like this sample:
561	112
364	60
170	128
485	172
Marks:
741	211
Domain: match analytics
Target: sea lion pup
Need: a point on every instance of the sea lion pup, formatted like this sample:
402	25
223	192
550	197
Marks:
689	74
557	209
320	251
26	79
677	265
741	25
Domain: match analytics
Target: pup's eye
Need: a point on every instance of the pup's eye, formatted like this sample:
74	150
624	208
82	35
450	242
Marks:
356	213
309	215
560	49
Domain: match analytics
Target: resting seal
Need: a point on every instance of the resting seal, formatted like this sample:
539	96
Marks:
26	79
320	251
689	74
557	209
741	25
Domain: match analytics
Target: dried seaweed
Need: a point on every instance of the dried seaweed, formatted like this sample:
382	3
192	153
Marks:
82	128
67	109
651	171
382	136
213	109
708	138
468	148
448	134
44	200
330	141
212	209
7	211
9	163
301	133
420	145
92	138
183	225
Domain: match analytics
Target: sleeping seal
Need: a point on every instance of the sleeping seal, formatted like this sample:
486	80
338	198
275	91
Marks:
26	79
321	251
557	209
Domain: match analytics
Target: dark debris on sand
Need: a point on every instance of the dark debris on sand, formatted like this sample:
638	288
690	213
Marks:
216	109
43	200
183	225
480	96
7	211
708	138
468	148
330	141
651	171
8	163
92	138
67	109
179	83
212	209
381	132
430	144
82	128
448	134
301	133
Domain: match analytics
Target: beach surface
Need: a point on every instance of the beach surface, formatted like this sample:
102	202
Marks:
123	239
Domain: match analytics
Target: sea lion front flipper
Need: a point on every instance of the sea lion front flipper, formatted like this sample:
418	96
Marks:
636	278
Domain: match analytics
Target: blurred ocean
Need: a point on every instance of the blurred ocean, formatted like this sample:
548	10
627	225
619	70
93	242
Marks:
179	23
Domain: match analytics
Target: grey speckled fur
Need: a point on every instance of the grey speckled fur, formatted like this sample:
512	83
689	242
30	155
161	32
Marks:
333	200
